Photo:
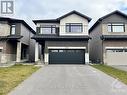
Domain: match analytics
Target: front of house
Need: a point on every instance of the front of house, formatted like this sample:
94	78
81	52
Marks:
109	39
15	41
63	40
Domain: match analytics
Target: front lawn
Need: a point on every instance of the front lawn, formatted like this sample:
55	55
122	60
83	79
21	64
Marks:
119	74
10	77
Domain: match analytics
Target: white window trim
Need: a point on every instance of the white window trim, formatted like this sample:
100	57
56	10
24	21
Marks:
116	47
66	47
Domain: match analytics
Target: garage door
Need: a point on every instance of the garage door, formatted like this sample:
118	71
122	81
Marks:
66	56
116	56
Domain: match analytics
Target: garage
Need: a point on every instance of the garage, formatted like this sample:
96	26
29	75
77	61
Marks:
66	56
116	56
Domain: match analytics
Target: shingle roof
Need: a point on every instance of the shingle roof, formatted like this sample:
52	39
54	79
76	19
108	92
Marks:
58	19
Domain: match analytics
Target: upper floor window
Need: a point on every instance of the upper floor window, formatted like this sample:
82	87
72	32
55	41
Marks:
48	29
13	29
116	27
74	27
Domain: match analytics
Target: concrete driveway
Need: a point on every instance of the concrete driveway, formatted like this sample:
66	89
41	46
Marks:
70	80
120	67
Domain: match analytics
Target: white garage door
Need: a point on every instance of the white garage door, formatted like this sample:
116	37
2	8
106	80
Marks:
116	56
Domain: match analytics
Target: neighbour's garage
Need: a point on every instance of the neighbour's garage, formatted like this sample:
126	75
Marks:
66	56
116	56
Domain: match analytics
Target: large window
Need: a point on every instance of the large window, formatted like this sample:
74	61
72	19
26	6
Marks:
13	29
116	27
49	29
74	27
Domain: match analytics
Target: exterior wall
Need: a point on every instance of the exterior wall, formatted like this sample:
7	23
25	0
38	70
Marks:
32	49
18	28
4	28
28	41
26	35
112	44
73	19
95	45
63	44
113	18
8	53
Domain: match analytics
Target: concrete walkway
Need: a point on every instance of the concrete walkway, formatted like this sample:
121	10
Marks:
70	80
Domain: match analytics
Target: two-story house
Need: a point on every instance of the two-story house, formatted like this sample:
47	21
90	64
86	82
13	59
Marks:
63	40
109	39
15	41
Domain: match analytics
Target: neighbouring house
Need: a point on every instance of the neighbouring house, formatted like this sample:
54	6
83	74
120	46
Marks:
109	39
16	44
63	40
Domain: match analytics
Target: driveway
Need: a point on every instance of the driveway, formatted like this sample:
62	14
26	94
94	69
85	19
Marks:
120	67
70	80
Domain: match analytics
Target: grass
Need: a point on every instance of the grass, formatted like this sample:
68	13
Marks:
119	74
10	77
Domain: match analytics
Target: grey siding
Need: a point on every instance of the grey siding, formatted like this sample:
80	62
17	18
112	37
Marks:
114	18
32	49
25	32
18	28
95	45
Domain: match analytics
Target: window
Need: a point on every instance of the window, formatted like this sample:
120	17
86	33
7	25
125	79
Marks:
13	29
0	50
53	50
116	27
50	29
74	27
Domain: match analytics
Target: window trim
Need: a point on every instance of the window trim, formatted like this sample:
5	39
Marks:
69	24
48	26
111	25
13	26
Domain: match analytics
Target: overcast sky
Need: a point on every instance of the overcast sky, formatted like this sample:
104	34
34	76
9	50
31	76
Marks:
51	9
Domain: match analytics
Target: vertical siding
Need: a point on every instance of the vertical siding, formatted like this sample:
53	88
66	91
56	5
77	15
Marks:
25	32
96	45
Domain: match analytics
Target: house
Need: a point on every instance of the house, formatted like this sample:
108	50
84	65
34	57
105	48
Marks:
109	39
63	40
16	44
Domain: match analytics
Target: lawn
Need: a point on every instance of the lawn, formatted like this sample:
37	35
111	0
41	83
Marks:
10	77
119	74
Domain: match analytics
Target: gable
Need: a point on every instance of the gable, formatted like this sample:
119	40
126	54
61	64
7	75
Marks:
115	18
74	18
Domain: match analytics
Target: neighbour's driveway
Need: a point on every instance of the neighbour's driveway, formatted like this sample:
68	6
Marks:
70	80
120	67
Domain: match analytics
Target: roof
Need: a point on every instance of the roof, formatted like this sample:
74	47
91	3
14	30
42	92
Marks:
11	37
12	20
57	38
100	19
58	19
46	21
114	37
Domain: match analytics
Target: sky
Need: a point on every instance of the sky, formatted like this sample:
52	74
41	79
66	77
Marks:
29	10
